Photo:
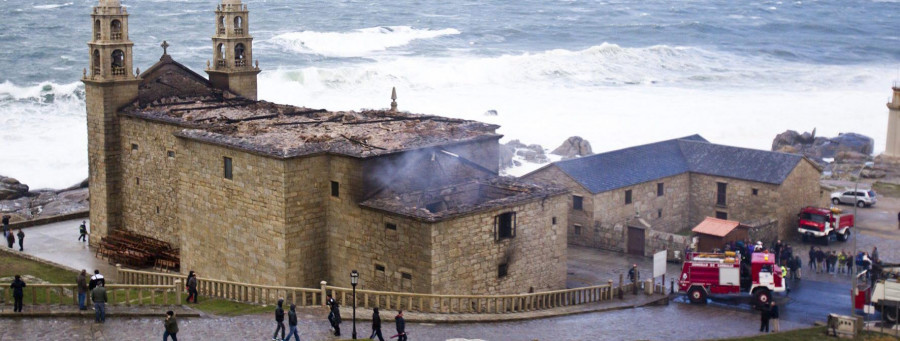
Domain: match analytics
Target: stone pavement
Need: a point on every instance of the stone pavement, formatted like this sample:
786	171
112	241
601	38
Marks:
70	310
58	243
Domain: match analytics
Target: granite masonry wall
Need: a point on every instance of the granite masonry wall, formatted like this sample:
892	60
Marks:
306	189
150	178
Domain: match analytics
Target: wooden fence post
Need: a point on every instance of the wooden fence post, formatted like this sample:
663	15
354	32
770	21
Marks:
324	294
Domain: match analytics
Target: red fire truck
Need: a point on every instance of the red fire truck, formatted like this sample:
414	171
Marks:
705	274
828	224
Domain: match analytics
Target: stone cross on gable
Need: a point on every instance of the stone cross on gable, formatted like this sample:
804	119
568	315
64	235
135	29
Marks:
165	46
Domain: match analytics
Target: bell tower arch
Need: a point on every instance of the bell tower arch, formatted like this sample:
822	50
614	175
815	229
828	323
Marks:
109	84
232	68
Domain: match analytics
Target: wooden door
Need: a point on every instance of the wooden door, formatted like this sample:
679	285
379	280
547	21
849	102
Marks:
635	241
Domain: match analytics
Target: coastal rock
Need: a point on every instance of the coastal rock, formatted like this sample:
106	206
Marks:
533	153
819	148
512	152
11	189
573	147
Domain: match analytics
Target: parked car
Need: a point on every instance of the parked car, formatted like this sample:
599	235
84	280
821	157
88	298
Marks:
860	198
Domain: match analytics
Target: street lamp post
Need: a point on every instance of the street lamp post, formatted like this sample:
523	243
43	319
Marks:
854	289
354	280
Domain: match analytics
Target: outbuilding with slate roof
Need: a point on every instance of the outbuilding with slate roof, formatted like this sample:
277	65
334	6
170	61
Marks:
674	185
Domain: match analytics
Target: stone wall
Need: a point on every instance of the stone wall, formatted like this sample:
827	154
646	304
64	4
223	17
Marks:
740	202
610	207
656	241
584	217
306	188
232	229
800	189
467	257
150	179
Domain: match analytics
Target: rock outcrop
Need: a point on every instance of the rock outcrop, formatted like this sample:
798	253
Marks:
848	146
46	203
11	189
573	147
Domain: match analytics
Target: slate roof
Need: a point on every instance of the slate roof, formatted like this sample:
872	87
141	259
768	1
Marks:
625	167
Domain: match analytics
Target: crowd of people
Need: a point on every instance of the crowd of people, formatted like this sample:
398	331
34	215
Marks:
334	318
11	237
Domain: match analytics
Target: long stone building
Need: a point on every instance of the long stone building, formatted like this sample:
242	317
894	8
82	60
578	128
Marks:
258	192
618	198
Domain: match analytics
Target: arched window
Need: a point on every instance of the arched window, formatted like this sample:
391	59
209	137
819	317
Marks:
97	30
118	63
115	30
95	63
221	25
239	55
238	25
220	55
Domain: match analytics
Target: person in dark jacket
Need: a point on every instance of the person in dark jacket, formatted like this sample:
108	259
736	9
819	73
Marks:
773	314
376	325
171	325
5	225
192	287
279	320
10	239
765	315
21	236
292	324
335	315
401	326
96	279
820	261
81	283
812	259
82	232
18	287
98	295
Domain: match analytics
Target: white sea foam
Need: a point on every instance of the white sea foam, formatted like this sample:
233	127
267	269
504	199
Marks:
52	6
355	43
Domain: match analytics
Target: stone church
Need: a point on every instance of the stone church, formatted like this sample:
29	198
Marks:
259	192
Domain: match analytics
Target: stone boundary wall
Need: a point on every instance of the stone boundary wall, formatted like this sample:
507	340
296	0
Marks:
656	241
50	220
764	229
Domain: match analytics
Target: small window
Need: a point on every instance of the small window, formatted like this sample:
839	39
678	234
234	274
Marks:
134	146
170	153
660	189
721	193
502	270
390	226
406	276
553	220
335	189
577	203
577	229
227	167
628	197
659	213
137	181
755	191
157	209
505	226
379	267
721	215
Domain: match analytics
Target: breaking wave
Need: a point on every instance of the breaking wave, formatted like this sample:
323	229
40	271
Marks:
53	6
355	43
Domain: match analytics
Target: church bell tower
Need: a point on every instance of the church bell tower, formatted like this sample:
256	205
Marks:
232	68
109	84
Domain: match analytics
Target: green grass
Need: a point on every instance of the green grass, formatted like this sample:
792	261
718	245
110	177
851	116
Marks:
11	265
887	189
222	307
812	334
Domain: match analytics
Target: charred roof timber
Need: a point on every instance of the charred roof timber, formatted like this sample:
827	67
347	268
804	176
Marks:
286	131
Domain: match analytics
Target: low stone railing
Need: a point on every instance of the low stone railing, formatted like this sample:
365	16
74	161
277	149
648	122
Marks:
117	294
429	303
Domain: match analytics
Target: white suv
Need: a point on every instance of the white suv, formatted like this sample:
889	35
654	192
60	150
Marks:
861	198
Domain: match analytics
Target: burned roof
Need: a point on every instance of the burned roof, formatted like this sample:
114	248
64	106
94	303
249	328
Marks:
469	197
170	92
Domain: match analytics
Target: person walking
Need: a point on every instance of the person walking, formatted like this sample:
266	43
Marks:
401	326
764	314
171	326
81	283
279	320
98	295
292	324
335	315
376	325
773	314
192	287
10	239
21	236
18	287
82	232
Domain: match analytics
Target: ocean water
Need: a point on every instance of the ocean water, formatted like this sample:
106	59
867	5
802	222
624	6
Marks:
616	72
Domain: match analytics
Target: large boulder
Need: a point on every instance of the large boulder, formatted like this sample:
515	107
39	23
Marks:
846	145
11	189
573	147
854	142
